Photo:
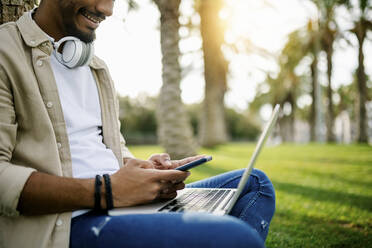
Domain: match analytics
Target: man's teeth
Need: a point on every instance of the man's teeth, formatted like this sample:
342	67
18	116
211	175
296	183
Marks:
93	19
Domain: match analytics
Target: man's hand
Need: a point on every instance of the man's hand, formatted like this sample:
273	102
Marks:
162	161
138	182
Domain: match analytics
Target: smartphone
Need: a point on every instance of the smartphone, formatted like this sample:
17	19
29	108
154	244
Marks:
194	163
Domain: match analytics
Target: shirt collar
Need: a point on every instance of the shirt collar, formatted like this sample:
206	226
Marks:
32	34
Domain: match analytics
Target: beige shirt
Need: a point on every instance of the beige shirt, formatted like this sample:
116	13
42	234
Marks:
33	135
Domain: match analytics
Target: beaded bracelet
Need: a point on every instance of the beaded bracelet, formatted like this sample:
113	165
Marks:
97	193
109	201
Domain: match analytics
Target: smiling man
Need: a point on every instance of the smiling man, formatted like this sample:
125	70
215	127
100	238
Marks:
62	154
72	18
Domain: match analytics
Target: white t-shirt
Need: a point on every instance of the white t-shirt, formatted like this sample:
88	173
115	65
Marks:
82	113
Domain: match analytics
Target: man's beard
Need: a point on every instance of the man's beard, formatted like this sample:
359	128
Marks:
85	37
67	9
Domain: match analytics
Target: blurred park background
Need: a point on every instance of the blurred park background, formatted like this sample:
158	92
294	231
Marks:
224	64
202	76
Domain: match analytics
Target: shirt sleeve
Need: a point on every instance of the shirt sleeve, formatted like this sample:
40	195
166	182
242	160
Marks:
12	177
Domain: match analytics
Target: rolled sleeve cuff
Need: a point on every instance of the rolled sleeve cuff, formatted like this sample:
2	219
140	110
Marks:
12	180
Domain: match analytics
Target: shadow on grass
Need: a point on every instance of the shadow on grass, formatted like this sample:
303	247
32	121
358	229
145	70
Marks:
336	161
289	229
336	177
362	202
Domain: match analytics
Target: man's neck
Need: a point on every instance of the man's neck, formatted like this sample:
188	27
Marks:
47	23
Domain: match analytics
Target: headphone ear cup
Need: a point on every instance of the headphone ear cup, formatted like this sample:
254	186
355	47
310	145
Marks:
86	55
71	53
82	56
89	53
75	52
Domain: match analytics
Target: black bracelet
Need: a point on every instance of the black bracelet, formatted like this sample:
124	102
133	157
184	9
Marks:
109	201
97	193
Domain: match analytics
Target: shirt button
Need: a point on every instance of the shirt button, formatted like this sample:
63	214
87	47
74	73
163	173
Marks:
32	42
59	222
59	145
39	63
49	104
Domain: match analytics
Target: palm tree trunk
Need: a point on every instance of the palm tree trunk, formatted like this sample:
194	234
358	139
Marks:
212	129
362	86
292	117
174	128
12	10
330	115
316	93
313	96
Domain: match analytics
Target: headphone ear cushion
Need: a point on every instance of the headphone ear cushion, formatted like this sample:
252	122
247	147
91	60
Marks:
68	51
90	53
83	54
75	52
71	53
86	55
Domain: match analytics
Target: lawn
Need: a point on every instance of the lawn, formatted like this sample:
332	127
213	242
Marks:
324	192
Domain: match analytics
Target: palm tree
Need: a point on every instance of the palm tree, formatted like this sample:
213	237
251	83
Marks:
174	128
12	10
286	87
212	129
312	47
362	24
322	38
329	35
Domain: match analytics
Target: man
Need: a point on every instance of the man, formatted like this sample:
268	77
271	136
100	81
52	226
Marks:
59	129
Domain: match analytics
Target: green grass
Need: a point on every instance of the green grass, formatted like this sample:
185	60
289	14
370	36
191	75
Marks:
324	192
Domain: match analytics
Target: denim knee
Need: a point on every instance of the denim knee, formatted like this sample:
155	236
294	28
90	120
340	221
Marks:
239	234
266	187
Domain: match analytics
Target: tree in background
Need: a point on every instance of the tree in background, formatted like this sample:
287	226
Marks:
174	128
313	47
137	117
362	13
212	123
285	87
11	10
138	120
329	34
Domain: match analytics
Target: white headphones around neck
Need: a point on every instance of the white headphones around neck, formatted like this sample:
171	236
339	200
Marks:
74	52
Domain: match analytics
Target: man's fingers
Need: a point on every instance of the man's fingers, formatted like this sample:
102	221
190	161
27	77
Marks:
168	196
178	163
179	186
170	187
171	192
170	175
164	159
140	163
161	159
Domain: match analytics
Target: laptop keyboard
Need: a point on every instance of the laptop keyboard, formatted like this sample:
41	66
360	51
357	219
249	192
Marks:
198	200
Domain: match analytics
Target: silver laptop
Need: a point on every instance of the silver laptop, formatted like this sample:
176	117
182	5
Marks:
218	201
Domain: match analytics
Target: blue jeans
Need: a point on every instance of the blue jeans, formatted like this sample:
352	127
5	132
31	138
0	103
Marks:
246	226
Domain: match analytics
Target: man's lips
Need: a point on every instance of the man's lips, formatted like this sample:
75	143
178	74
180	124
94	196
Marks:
92	16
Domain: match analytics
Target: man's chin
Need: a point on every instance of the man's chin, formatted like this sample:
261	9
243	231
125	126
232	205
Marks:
86	37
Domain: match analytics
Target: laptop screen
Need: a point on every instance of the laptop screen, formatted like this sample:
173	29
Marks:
261	141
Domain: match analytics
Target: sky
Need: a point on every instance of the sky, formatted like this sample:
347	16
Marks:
130	44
